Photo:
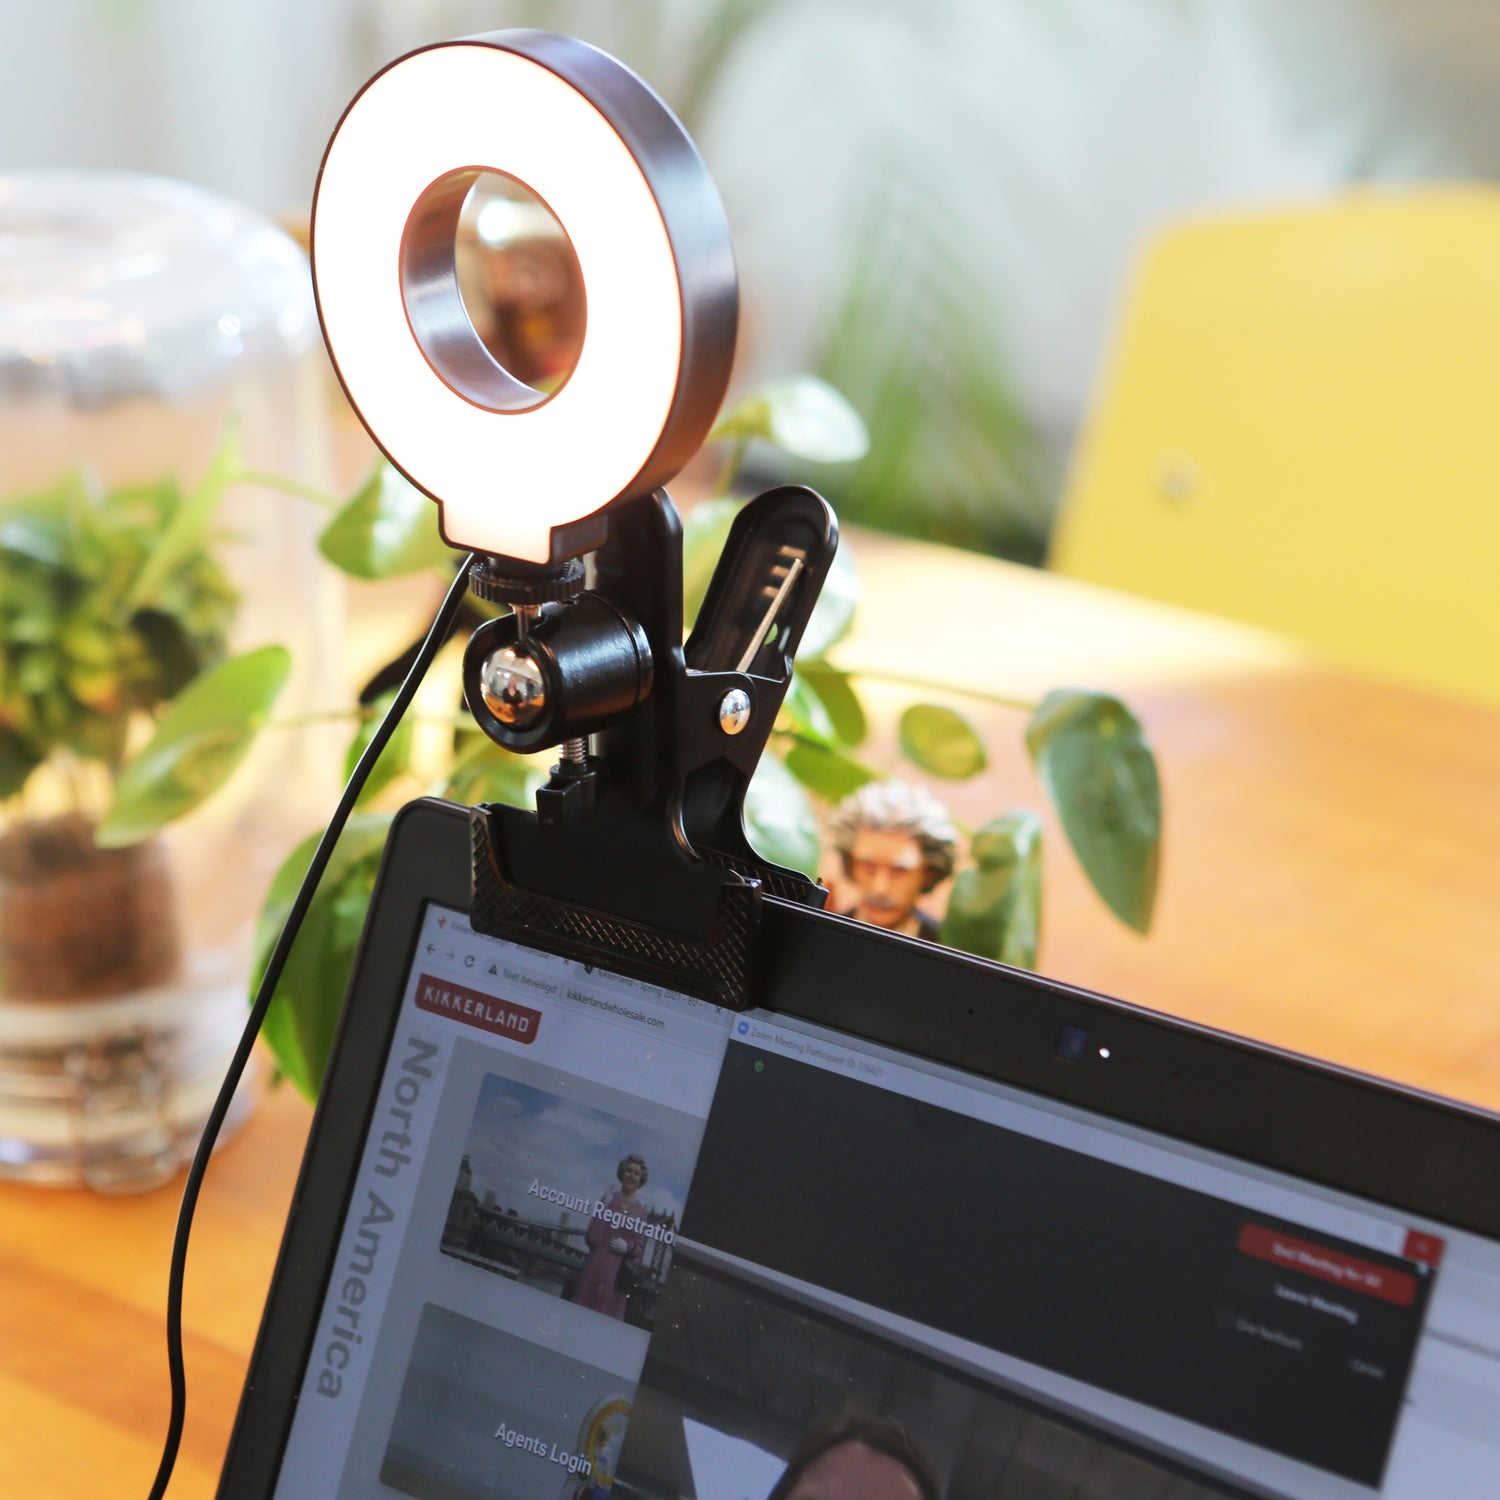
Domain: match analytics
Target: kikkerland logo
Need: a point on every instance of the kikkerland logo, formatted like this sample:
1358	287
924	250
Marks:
488	1012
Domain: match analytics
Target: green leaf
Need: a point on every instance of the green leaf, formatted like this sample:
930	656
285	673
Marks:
779	819
834	612
825	771
94	736
175	658
393	759
387	529
704	532
18	759
36	532
803	416
305	1009
1101	775
995	908
941	742
803	712
484	772
199	741
189	524
835	690
32	610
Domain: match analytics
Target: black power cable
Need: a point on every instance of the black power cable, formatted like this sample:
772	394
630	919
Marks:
442	625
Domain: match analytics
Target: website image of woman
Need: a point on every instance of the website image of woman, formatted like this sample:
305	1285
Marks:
609	1247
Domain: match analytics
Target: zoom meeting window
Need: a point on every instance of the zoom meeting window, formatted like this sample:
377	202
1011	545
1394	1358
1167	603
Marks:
897	1282
511	1229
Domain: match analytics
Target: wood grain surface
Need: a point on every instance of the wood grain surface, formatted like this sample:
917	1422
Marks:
83	1375
1331	872
1331	862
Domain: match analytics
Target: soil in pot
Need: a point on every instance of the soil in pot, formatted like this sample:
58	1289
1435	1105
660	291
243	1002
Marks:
79	922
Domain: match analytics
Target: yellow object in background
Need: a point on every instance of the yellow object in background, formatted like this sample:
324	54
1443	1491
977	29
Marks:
1300	428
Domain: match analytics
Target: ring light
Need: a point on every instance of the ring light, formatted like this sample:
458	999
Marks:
514	472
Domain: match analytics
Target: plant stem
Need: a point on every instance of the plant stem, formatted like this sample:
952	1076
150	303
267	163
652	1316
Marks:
733	460
1000	700
320	716
363	713
290	487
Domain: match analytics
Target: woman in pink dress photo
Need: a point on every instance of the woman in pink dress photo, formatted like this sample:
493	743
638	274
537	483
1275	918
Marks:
610	1248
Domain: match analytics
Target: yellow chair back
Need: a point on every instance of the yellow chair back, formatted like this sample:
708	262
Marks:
1301	429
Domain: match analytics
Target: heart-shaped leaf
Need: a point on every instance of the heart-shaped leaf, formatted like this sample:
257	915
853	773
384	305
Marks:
18	759
484	772
779	819
388	528
304	1012
941	742
834	612
705	529
36	528
1099	771
199	740
188	526
995	908
802	711
803	416
825	772
836	692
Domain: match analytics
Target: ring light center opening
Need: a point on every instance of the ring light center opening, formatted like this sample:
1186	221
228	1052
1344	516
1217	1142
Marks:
493	290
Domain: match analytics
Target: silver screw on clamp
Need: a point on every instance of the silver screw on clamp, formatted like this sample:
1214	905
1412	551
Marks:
734	710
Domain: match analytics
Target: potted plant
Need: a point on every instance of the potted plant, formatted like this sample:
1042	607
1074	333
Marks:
114	613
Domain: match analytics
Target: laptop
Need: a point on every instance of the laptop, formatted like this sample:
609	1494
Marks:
917	1225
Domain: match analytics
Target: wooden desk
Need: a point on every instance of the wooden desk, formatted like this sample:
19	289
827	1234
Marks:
1332	864
83	1375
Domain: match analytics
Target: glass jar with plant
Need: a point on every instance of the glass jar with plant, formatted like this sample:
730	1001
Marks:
113	612
140	321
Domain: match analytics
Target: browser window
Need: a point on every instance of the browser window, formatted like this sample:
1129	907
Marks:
511	1227
609	1241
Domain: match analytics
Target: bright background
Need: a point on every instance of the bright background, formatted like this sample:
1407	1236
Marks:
935	204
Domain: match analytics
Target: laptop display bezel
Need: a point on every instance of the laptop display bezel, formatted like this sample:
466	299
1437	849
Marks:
1422	1155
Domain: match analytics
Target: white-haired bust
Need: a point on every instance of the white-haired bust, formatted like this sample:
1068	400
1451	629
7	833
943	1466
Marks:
896	842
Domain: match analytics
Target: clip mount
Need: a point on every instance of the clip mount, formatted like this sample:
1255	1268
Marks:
636	856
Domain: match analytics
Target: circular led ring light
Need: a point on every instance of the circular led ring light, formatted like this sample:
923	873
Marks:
513	472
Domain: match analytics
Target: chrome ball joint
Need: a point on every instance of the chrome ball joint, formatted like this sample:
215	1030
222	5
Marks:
513	688
546	675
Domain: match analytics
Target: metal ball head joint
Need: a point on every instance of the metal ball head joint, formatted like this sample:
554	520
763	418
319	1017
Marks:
579	668
512	687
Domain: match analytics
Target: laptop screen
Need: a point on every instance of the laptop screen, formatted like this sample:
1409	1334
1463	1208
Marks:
609	1241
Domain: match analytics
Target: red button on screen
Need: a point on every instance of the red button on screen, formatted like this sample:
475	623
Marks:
1425	1249
1328	1265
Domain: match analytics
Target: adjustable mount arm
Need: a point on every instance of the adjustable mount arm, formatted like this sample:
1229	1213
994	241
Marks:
645	837
636	854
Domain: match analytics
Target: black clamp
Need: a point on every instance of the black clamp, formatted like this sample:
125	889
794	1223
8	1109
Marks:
636	857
